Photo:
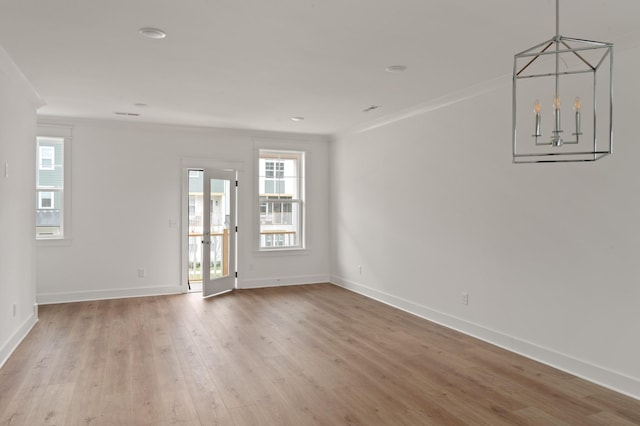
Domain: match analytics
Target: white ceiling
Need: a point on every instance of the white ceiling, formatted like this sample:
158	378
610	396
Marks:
256	63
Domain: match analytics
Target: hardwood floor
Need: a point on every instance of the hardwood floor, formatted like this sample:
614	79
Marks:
280	356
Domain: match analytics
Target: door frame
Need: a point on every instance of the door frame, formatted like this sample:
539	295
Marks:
206	163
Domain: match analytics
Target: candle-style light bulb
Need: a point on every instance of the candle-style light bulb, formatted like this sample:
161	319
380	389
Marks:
536	109
576	106
556	140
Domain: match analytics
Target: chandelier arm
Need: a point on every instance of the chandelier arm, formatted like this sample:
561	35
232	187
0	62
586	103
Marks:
574	49
578	55
609	52
551	74
585	41
534	58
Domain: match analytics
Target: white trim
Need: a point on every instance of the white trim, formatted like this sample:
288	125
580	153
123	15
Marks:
618	382
432	105
284	251
55	130
228	132
212	163
12	343
17	78
282	281
121	293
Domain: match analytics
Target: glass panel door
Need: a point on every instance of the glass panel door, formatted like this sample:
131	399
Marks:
218	240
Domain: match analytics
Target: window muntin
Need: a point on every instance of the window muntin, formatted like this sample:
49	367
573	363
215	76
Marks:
281	201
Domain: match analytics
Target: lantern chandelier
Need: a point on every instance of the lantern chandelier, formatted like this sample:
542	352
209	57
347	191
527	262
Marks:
578	70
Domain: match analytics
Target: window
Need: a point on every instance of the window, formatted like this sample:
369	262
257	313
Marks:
281	199
52	175
274	177
47	157
274	240
195	199
45	200
192	206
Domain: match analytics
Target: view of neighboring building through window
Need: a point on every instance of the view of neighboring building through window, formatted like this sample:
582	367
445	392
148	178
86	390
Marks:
281	199
219	220
50	188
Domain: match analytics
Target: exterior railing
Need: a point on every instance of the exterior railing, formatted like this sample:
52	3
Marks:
220	242
219	255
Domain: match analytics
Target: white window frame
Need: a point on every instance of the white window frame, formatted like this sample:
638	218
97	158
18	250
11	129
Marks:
286	150
64	132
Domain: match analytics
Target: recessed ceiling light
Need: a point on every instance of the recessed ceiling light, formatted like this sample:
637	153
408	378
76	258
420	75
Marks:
153	33
297	118
371	108
128	114
396	68
140	105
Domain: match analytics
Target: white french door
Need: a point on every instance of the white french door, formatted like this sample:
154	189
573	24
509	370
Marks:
219	232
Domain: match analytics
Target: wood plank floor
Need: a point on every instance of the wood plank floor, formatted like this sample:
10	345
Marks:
303	355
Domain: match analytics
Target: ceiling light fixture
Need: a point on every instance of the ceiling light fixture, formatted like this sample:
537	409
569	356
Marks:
297	118
396	68
587	78
153	33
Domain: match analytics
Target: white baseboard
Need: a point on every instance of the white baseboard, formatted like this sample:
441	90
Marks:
602	376
283	281
120	293
10	345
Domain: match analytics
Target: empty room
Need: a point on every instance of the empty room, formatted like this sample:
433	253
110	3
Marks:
304	212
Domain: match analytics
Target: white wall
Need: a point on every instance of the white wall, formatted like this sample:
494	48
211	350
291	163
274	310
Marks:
431	206
18	104
126	187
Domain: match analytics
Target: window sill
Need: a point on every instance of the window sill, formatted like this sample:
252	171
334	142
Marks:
282	252
53	242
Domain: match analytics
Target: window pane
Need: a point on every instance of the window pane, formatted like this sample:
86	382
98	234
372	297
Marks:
47	157
269	187
49	214
50	187
50	173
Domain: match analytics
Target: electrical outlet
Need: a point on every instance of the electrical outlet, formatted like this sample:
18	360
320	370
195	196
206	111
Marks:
360	269
142	273
465	298
6	170
15	310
